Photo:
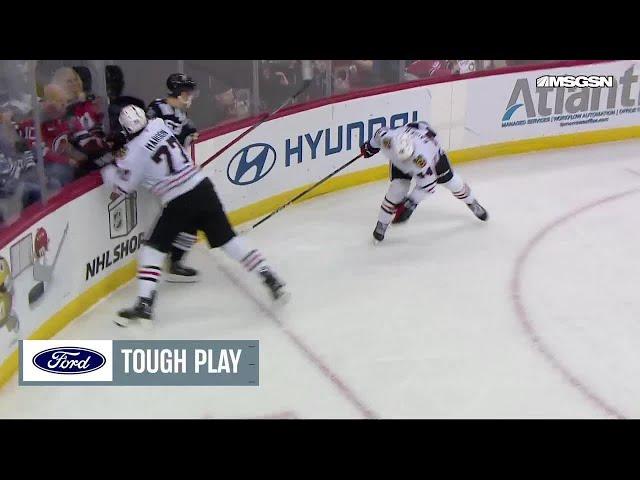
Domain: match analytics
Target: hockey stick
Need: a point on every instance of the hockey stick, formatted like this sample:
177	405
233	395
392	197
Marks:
43	272
306	191
263	119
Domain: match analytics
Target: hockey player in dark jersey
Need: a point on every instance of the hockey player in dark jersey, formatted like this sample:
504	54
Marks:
172	109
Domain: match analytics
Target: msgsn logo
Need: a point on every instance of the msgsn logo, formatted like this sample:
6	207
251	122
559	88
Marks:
567	97
251	164
69	360
571	81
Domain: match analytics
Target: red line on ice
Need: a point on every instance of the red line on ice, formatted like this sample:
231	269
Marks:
523	316
308	352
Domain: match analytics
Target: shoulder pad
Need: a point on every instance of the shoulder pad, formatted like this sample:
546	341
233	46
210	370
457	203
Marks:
381	132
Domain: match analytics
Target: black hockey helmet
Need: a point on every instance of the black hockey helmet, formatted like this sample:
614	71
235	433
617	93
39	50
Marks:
178	83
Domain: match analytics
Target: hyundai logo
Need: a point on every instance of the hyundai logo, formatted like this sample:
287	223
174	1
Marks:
69	360
251	164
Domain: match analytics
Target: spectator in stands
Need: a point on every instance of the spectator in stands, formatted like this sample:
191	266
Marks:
352	74
115	86
386	71
429	69
275	87
237	74
69	81
84	114
464	66
19	182
61	158
87	80
226	106
14	88
319	81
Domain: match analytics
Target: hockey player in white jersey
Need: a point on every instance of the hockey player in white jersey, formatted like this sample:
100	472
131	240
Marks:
155	160
415	153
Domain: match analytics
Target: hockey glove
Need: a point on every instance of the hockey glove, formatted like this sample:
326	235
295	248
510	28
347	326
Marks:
367	150
404	211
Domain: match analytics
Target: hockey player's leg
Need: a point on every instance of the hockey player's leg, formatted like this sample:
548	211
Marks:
178	272
175	218
462	191
398	189
149	274
220	234
252	260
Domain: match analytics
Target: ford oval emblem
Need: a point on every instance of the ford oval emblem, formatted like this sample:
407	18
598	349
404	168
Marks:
69	360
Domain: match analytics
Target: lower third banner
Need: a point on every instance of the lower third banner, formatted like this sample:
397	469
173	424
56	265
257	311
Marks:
140	362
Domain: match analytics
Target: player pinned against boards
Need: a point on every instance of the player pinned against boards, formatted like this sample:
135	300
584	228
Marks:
153	158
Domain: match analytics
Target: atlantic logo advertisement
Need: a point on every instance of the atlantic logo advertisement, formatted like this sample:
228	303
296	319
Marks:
254	162
571	100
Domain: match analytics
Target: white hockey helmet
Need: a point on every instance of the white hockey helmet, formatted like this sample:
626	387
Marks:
403	146
133	119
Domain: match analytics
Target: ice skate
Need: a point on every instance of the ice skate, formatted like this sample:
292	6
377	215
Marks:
478	210
275	285
378	233
142	310
179	273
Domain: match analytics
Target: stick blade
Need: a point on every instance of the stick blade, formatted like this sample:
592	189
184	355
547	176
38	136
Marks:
36	293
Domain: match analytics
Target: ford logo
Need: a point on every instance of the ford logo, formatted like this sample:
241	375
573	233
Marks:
69	360
251	164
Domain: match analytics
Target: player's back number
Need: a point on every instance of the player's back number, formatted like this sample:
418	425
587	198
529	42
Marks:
173	154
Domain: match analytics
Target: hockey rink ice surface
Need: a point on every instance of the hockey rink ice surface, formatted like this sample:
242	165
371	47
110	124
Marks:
534	314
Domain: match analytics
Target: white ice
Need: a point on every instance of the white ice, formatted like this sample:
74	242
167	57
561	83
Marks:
424	325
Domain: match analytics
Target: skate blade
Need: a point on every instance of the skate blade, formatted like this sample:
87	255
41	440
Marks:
121	322
375	242
171	278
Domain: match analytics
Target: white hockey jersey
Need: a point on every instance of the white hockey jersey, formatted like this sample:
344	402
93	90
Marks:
422	164
426	153
156	160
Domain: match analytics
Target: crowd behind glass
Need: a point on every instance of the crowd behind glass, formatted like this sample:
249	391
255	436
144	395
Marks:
75	105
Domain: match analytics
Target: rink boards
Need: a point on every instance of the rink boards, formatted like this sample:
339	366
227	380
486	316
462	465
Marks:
476	117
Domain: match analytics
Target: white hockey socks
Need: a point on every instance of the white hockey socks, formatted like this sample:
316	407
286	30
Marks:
239	249
460	189
396	193
149	270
